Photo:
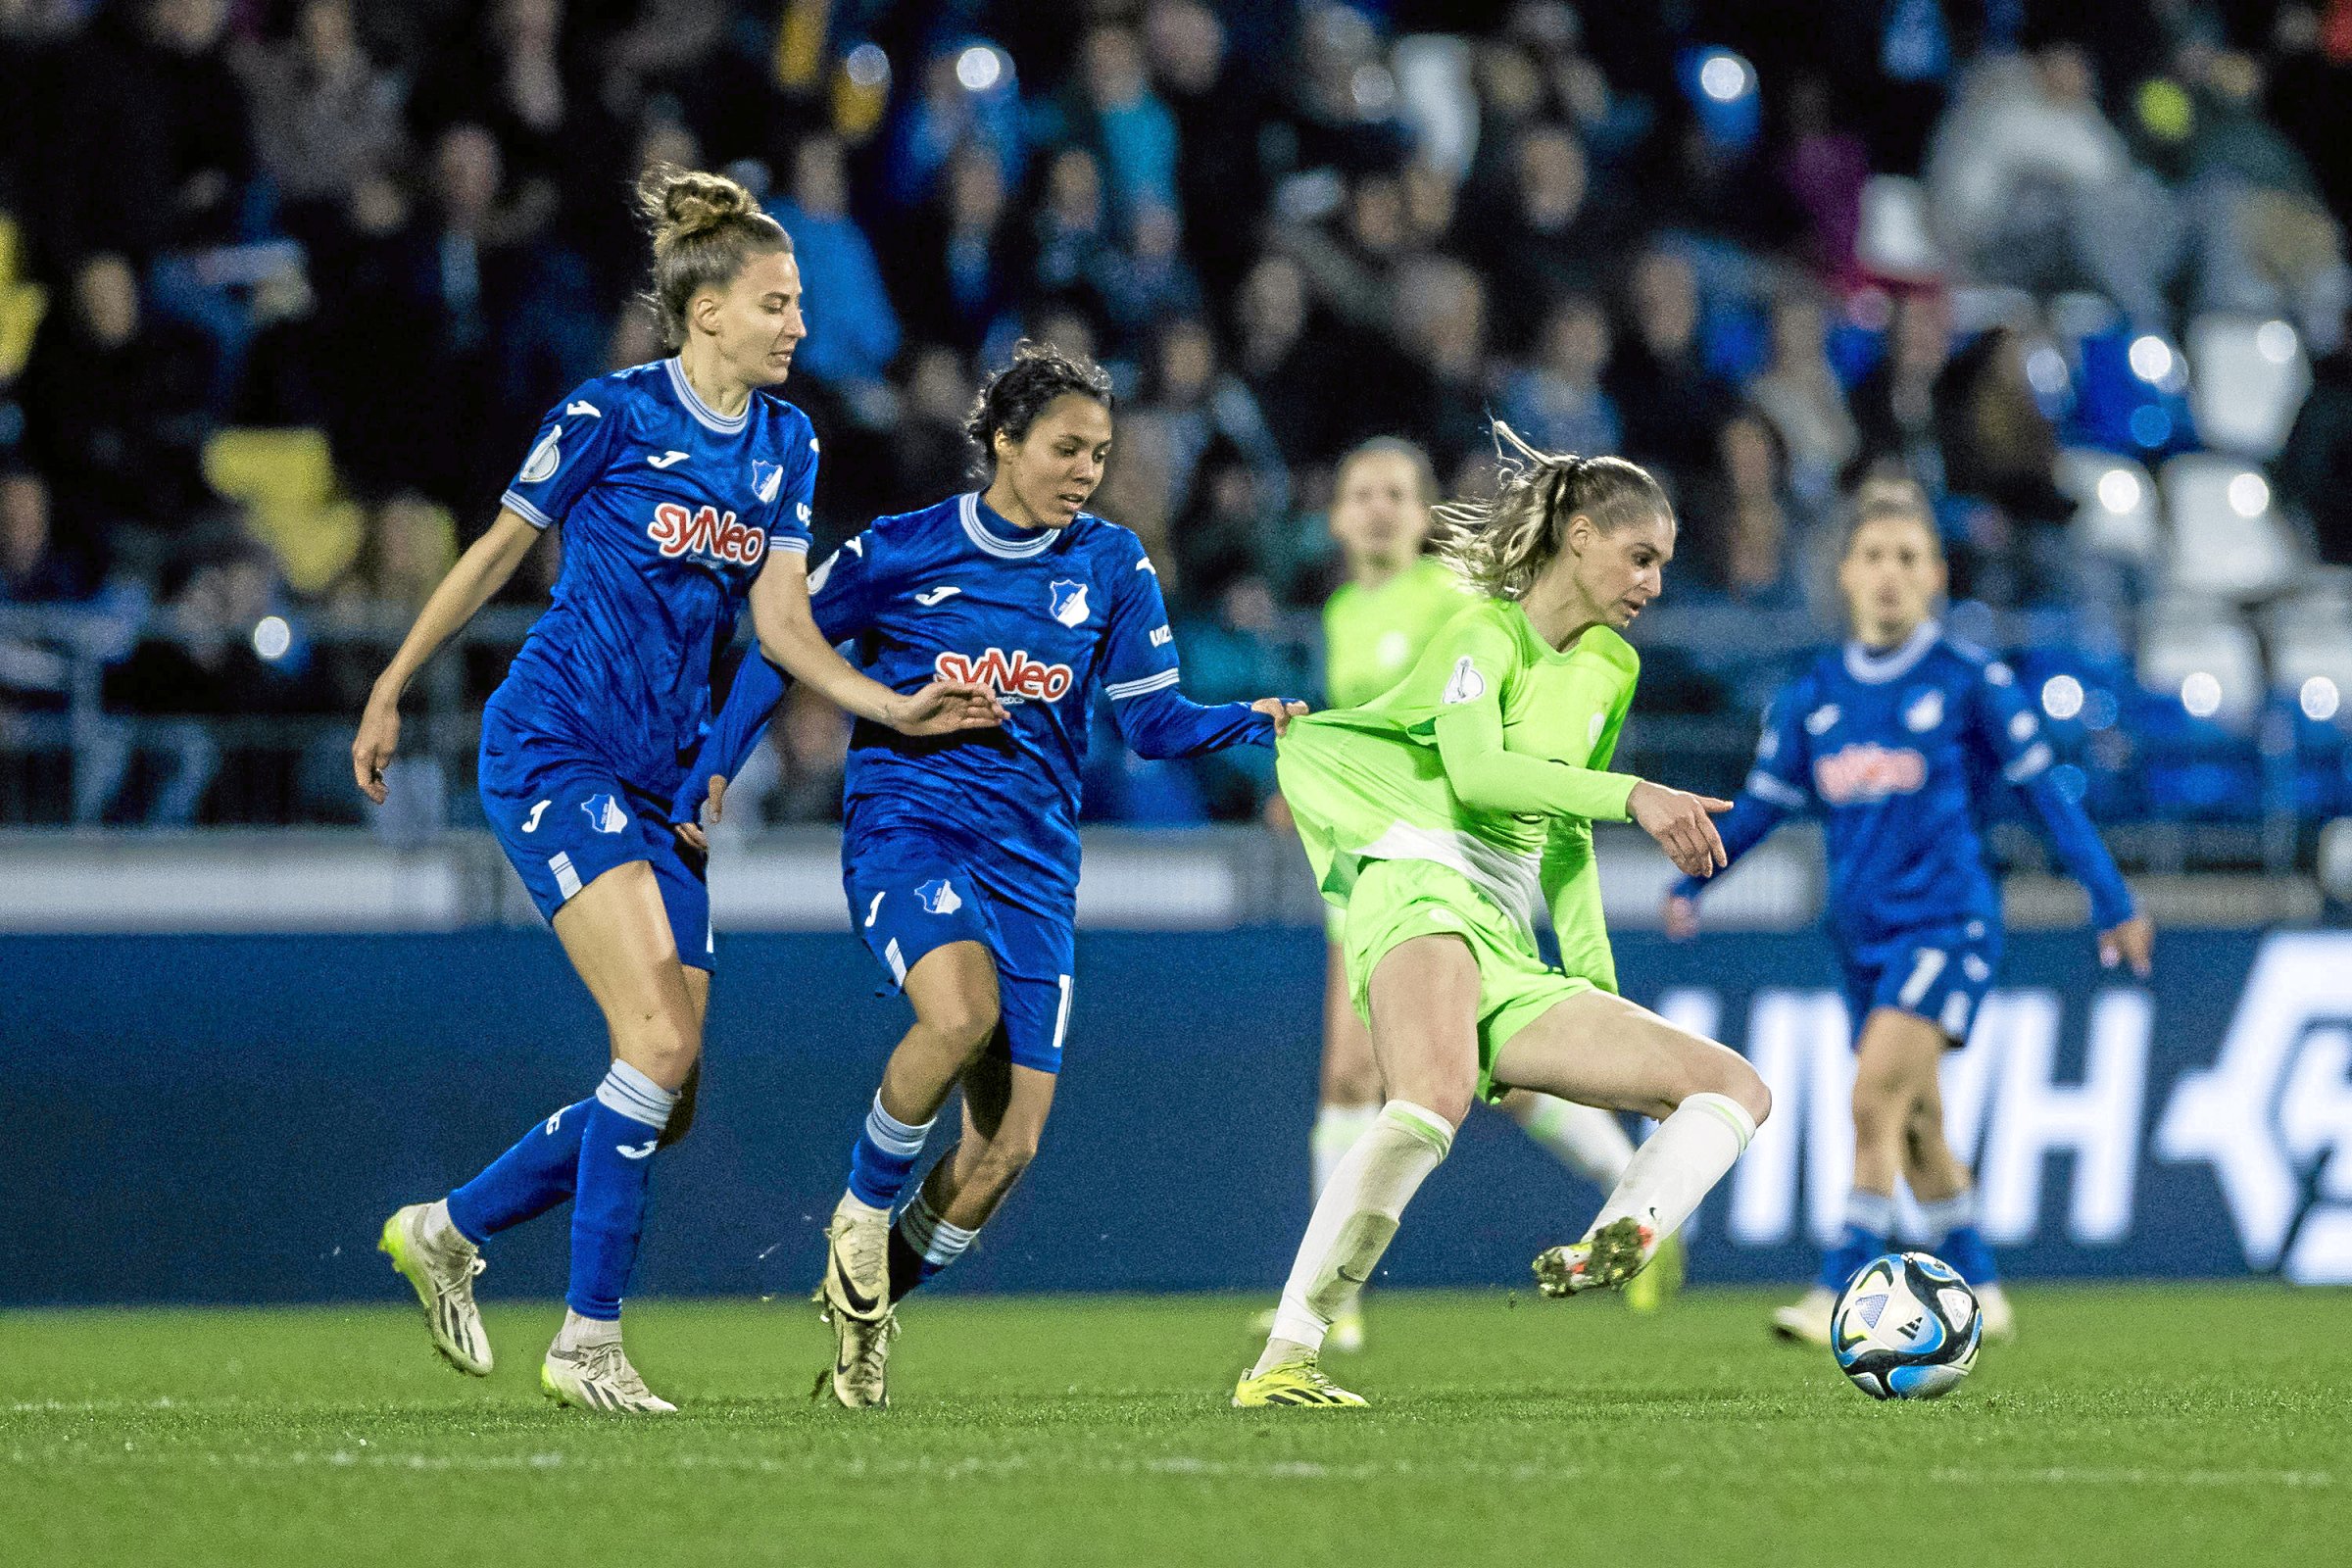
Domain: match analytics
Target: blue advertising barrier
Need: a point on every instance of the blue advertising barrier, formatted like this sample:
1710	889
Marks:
230	1119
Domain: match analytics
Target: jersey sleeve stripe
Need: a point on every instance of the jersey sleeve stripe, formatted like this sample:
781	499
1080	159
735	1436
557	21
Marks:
1119	691
1767	787
2035	758
524	510
787	541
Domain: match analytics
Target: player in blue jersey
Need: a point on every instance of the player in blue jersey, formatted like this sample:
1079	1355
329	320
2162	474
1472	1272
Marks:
959	857
682	488
1895	739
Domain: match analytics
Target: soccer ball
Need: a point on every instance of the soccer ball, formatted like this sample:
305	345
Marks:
1906	1328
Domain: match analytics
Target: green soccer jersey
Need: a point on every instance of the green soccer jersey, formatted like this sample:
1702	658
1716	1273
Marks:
1371	636
1489	757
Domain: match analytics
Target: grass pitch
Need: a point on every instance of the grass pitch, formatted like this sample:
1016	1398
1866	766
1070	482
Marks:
2129	1425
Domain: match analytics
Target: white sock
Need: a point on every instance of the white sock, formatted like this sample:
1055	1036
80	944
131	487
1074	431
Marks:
1946	1215
1680	1166
1586	1139
1353	1223
934	1241
578	1331
1337	1128
440	1233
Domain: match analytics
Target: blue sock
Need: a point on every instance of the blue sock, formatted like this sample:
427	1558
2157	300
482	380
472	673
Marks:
884	1157
620	1132
1961	1244
1869	1221
524	1182
921	1244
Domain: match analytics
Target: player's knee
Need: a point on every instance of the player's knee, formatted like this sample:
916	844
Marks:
963	1021
1881	1111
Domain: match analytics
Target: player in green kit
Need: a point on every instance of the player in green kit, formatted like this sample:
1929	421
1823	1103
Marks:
1441	815
1374	626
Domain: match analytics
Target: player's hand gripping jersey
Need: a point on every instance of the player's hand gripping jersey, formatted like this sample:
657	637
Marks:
668	513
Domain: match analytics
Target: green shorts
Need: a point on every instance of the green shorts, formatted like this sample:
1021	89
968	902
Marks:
1395	900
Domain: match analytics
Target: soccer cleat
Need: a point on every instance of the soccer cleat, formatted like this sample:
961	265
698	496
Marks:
443	1279
1602	1260
599	1376
1296	1383
1998	1317
857	1282
860	1358
1807	1321
1346	1329
1654	1286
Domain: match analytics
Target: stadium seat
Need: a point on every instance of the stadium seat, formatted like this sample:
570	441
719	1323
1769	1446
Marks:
2118	500
1895	240
2225	539
2247	378
2131	393
2076	316
2183	639
1980	307
287	480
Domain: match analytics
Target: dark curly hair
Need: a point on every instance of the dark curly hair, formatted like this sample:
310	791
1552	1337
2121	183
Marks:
1011	399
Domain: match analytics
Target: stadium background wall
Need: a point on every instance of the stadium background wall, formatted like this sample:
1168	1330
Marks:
221	1118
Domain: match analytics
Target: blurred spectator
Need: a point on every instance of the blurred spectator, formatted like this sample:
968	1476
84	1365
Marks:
933	455
1744	522
1556	403
1824	168
1073	257
1352	269
1228	531
853	331
1544	240
32	569
1340	116
1999	446
1670	402
1132	133
114	406
1199	403
2030	185
955	271
1442	321
1148	281
325	117
1218	113
1800	394
153	150
1895	404
1235	645
1280	364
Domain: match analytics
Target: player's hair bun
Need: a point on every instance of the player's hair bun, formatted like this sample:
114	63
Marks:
704	227
681	203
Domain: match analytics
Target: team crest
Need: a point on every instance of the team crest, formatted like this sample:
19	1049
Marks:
605	813
767	480
1924	712
938	896
1069	601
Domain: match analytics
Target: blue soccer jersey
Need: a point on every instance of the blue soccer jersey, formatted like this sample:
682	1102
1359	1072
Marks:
974	835
669	512
1895	752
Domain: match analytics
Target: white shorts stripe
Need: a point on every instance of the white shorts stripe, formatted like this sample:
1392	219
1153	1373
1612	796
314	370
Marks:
1062	1015
568	880
1926	965
898	963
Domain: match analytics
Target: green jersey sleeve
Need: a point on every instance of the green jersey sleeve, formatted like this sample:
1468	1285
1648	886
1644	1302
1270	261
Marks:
1484	659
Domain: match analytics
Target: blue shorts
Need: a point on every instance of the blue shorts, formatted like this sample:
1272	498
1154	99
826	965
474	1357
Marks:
1939	973
565	819
910	892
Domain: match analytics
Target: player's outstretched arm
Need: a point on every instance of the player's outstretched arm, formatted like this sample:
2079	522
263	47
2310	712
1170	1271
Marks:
479	572
789	636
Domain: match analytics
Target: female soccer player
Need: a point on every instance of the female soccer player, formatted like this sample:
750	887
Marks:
1394	601
1895	738
1439	815
960	857
683	486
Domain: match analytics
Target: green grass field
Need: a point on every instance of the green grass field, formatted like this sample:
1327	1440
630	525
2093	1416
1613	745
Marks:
2138	1426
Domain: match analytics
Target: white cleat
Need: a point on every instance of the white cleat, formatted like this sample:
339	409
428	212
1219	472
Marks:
442	1277
861	1360
857	1281
597	1377
1998	1317
1806	1322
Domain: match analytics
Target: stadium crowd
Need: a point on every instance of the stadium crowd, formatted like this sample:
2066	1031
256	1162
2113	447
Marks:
284	285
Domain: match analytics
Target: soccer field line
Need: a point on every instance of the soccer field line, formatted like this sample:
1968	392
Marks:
976	1467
